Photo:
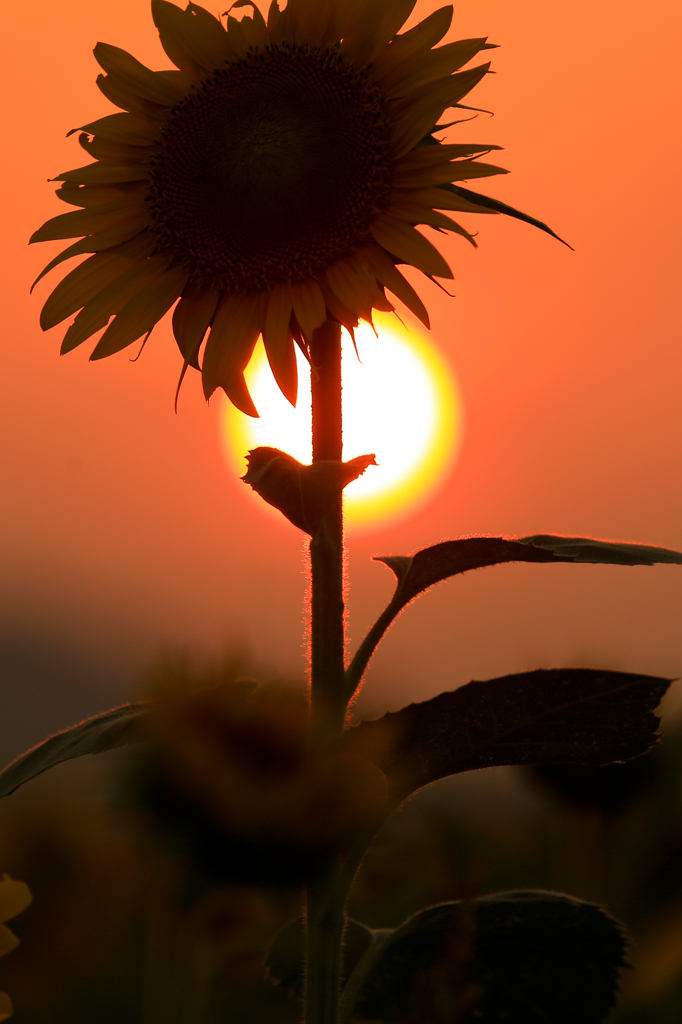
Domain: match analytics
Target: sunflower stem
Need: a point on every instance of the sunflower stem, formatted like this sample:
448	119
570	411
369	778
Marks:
327	640
325	915
324	925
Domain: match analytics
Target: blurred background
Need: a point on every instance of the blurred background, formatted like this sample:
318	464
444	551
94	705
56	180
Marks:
105	890
126	534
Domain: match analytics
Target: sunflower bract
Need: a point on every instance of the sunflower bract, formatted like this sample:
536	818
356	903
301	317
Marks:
276	178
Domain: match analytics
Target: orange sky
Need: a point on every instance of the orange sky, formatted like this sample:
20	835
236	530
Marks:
123	533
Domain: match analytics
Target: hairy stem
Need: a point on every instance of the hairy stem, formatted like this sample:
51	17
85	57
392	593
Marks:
325	922
356	669
328	688
325	916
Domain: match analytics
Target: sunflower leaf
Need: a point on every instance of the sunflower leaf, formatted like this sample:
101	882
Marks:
432	565
522	957
304	494
95	735
569	716
441	561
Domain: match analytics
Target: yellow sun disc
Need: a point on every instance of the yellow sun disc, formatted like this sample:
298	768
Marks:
399	402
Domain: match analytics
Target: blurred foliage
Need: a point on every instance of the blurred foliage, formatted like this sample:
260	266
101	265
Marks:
228	779
111	905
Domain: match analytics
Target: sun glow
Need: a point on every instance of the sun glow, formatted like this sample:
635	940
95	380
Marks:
399	401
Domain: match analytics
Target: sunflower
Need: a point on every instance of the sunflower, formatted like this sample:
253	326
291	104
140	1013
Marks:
275	179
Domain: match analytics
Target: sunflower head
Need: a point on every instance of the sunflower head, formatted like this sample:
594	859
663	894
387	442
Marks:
274	179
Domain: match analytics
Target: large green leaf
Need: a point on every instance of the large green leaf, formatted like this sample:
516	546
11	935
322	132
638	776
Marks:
416	573
93	736
517	958
570	715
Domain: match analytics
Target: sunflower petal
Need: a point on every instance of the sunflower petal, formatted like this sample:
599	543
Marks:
495	206
343	19
123	127
87	196
194	40
191	319
129	102
426	156
441	174
8	940
254	29
444	199
304	20
394	15
111	299
127	231
273	15
86	222
429	165
347	281
104	174
113	237
448	90
388	65
434	64
405	242
6	1008
421	111
136	78
323	23
369	34
88	274
113	152
339	312
14	898
377	295
296	18
80	286
236	37
77	249
384	269
383	302
234	333
309	307
88	322
466	169
415	213
277	340
413	124
141	313
138	247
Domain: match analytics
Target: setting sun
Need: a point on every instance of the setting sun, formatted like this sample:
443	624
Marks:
400	402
